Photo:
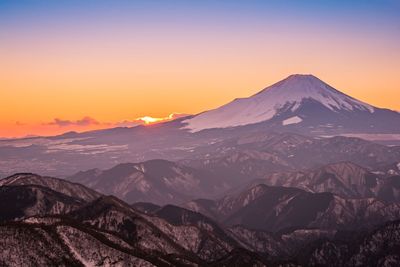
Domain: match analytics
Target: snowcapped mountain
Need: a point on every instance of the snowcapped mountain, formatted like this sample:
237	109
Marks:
298	99
300	104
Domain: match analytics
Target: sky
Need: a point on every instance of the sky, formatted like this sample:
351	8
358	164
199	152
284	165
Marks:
82	65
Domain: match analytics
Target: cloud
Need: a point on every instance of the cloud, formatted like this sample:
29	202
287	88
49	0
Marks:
147	120
18	123
89	121
85	121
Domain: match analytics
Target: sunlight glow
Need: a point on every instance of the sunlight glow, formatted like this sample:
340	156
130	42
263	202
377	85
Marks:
150	120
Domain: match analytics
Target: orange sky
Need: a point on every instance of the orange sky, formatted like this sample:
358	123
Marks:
111	73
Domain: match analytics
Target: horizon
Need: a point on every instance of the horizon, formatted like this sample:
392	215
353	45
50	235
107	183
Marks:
79	126
73	66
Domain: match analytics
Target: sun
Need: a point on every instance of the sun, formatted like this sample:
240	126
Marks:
147	120
150	120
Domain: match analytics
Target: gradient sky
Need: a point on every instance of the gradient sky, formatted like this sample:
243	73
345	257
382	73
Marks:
79	65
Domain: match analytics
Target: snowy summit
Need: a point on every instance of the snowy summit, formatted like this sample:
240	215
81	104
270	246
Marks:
289	94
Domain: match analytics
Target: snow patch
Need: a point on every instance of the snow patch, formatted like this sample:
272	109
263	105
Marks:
11	181
292	120
76	253
140	168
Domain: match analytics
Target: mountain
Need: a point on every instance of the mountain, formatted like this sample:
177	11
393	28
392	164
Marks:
22	201
198	242
40	226
264	245
58	242
379	247
156	181
345	179
279	208
287	159
73	190
390	189
105	231
241	257
284	245
300	104
146	207
237	163
254	159
25	194
299	100
287	248
179	216
259	155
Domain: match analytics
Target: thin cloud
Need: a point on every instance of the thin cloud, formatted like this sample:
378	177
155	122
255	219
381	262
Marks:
89	121
85	121
18	123
146	120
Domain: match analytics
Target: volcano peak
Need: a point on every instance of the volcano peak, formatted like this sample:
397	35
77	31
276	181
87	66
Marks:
287	95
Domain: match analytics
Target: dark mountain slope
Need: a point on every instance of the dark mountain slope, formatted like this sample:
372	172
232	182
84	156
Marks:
70	189
17	202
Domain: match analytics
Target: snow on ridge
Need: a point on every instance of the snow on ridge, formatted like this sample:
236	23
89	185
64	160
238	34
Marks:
140	168
292	120
288	93
11	180
74	251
